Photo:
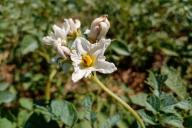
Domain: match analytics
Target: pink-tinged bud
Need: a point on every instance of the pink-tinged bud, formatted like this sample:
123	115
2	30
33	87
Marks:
99	28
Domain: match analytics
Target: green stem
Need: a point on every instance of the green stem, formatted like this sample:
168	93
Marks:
132	111
48	86
47	91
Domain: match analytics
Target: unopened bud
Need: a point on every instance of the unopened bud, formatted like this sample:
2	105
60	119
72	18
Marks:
99	28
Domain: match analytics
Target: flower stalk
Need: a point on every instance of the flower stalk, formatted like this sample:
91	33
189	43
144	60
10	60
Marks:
48	86
132	111
47	91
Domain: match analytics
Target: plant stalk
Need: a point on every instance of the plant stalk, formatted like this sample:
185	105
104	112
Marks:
47	91
48	86
132	111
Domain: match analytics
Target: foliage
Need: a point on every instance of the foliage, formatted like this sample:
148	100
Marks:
153	37
163	108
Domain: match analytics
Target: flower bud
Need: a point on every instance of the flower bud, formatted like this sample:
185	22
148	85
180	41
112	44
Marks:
99	28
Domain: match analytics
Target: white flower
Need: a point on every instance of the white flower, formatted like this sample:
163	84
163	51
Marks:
58	39
74	25
89	57
58	32
99	28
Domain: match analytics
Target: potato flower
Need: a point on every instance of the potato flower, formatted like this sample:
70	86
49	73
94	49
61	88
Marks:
86	55
57	39
88	58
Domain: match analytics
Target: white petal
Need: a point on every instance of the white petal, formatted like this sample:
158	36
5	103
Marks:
76	58
81	45
99	48
48	40
106	42
87	31
88	71
77	75
66	26
72	25
77	24
105	67
61	52
66	50
59	32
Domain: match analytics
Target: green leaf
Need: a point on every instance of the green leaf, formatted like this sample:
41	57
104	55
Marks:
3	86
151	80
88	113
83	124
167	99
147	117
156	81
87	102
65	111
171	120
6	97
188	122
120	48
174	82
161	79
66	67
28	44
38	121
167	103
5	123
139	99
26	103
185	104
45	112
171	105
154	101
22	117
169	52
111	121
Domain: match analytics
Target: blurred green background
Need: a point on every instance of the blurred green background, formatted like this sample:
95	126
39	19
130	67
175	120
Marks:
149	37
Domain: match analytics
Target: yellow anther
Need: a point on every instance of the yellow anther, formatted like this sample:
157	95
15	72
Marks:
87	60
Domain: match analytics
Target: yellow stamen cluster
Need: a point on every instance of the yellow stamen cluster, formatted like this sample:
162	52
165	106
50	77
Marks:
87	60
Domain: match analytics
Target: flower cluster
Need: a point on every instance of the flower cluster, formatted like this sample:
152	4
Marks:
86	54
